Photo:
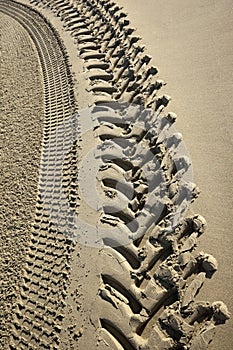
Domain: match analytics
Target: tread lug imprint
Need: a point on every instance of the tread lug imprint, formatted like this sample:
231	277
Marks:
147	287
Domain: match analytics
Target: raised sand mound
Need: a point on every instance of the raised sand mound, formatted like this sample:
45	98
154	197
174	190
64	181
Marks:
119	276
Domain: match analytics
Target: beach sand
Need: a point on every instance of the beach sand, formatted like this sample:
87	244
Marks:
60	292
22	114
191	43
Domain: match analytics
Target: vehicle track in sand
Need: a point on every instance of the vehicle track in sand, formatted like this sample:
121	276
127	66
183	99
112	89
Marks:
138	296
21	132
135	318
38	311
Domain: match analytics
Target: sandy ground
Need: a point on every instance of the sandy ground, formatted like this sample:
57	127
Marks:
191	44
192	49
21	135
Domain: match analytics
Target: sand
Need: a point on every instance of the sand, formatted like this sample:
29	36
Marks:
191	44
85	284
22	114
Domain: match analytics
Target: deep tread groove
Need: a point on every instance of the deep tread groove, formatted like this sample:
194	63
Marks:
117	334
134	304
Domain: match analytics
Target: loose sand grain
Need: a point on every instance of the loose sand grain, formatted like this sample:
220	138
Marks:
21	134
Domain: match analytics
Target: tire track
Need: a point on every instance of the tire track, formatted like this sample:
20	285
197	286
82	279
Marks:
151	304
38	313
21	135
109	65
159	294
162	274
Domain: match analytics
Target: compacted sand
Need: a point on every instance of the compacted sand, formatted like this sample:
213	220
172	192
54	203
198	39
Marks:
96	294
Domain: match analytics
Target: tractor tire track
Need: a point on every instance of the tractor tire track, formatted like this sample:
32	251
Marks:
149	302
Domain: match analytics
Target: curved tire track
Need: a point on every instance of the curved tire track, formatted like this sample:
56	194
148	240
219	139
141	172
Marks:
162	273
38	313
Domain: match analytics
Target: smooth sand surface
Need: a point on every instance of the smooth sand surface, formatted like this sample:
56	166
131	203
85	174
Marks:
191	43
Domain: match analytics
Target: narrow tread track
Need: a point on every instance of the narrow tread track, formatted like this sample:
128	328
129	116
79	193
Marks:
38	313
